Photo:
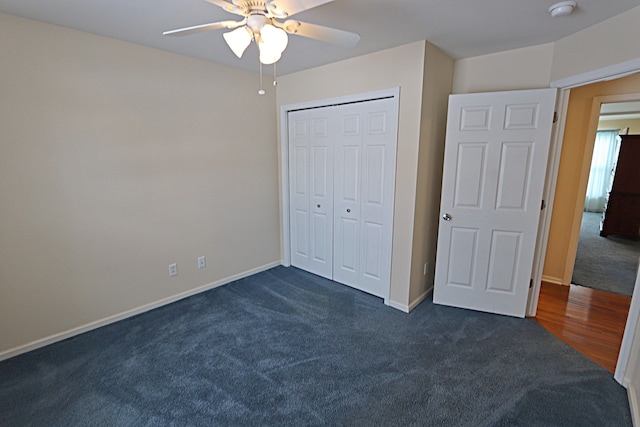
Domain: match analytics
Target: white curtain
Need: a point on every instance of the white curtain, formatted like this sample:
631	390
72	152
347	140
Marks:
605	154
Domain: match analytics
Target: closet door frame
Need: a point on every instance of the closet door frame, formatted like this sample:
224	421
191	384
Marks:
284	153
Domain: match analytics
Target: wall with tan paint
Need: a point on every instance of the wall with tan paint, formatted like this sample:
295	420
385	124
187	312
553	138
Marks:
610	42
526	68
437	85
115	161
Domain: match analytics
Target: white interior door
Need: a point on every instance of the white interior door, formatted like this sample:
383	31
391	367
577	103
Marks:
311	195
495	161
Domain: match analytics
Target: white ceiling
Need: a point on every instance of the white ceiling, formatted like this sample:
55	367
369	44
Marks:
461	28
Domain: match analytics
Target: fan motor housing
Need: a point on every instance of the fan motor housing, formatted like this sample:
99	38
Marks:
256	21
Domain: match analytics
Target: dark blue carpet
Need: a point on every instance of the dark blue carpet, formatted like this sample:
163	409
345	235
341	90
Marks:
606	263
285	347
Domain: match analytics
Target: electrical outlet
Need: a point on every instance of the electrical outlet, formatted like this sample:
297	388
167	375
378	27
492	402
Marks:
173	269
426	268
202	262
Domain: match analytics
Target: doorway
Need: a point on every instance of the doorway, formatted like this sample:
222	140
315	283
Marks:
582	115
608	263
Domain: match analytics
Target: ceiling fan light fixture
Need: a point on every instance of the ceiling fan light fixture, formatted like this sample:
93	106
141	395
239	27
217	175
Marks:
268	57
273	41
262	23
276	38
238	40
564	8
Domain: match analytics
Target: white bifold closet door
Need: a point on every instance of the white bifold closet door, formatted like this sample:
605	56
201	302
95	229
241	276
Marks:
311	190
342	177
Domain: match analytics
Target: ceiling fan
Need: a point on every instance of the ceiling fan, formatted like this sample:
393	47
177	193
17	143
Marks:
267	23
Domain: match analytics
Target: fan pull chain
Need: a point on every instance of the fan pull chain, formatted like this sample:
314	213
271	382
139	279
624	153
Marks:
261	91
275	74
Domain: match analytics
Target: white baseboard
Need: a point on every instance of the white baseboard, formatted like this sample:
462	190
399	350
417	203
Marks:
398	306
552	280
633	405
414	303
129	313
421	298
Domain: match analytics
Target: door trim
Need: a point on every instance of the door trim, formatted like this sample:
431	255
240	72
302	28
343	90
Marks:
284	153
565	85
548	195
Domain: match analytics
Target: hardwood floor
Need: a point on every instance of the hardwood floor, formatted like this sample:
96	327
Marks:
589	320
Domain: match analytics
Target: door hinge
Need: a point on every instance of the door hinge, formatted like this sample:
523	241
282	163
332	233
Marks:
543	205
555	116
530	283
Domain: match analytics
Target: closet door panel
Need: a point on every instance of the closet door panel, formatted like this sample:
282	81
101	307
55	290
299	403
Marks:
347	250
311	191
347	192
320	204
321	198
299	188
378	181
373	233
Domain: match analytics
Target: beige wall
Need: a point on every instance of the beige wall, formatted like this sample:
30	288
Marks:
398	67
613	41
632	124
115	161
526	68
437	83
573	175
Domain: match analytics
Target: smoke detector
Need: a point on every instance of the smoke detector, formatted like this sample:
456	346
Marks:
564	8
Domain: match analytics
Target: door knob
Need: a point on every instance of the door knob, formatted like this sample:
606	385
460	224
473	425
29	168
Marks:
318	205
446	217
348	210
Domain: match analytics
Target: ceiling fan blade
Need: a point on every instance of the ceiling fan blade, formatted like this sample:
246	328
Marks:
227	5
322	33
204	27
296	6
